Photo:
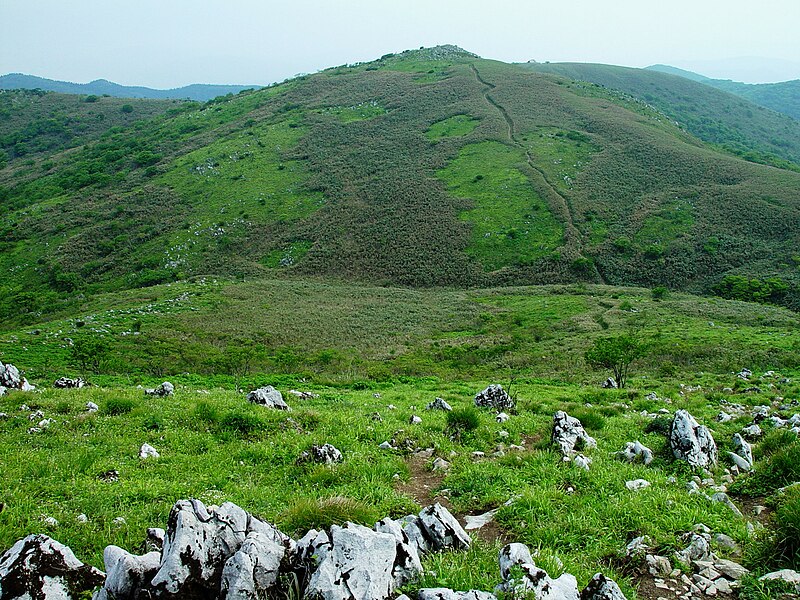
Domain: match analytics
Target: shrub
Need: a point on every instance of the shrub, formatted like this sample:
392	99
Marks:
152	423
118	406
615	353
462	421
660	425
312	513
659	293
205	411
589	418
242	423
127	108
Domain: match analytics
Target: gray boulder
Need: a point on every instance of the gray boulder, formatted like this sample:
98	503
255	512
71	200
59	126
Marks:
326	454
127	575
253	570
439	404
38	567
634	451
357	564
407	565
67	383
11	379
601	587
536	583
691	441
442	530
268	396
162	391
512	555
569	435
742	448
494	397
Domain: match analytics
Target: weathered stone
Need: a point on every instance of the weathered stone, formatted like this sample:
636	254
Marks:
637	546
742	448
512	555
637	484
494	397
326	454
38	567
634	451
268	396
610	384
440	464
727	543
448	594
601	587
10	379
253	570
163	390
442	530
415	420
147	451
92	407
697	550
127	575
67	383
501	417
569	435
692	442
407	565
582	461
535	581
740	462
752	432
786	575
658	565
723	498
730	569
439	404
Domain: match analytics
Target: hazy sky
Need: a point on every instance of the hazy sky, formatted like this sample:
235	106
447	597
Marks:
169	43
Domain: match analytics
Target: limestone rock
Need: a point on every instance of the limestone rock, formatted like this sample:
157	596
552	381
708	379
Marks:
442	530
742	448
448	594
692	442
698	549
268	396
785	575
752	432
502	417
723	498
41	568
512	555
637	484
569	435
253	570
439	404
610	384
163	390
407	565
326	454
658	566
147	451
536	583
634	451
127	575
494	397
11	379
67	383
601	587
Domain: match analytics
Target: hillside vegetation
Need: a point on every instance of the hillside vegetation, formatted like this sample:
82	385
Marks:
427	168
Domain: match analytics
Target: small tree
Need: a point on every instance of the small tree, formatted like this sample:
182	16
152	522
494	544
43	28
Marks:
615	353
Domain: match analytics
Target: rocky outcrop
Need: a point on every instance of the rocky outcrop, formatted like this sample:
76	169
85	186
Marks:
691	441
65	383
163	390
38	567
601	587
494	397
569	435
327	454
127	576
268	396
439	404
636	451
11	379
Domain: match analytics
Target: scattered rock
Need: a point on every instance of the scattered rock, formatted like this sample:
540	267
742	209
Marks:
268	396
439	404
494	397
637	484
39	567
731	570
637	546
163	390
723	498
478	521
785	575
692	442
532	581
127	576
727	543
569	435
582	461
610	384
601	587
147	451
327	454
658	566
448	594
92	407
303	395
698	549
752	432
440	464
442	530
502	417
634	451
67	383
415	420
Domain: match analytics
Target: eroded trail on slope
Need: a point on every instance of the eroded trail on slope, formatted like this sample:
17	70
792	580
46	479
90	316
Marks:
559	204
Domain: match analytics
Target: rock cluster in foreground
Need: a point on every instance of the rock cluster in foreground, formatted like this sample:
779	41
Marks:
226	553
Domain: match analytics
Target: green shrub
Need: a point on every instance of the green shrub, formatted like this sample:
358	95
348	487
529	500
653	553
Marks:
152	423
308	513
118	406
242	423
778	546
659	293
660	425
462	421
590	418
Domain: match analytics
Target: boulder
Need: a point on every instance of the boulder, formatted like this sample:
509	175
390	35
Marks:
494	397
634	451
513	555
357	564
67	383
658	566
785	575
691	441
637	484
39	567
127	576
601	587
147	451
569	435
723	498
442	530
326	454
742	448
407	565
10	379
439	404
536	583
610	384
268	396
163	390
752	432
200	542
253	570
698	549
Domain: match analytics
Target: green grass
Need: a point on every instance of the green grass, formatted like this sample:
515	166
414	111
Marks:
510	222
457	126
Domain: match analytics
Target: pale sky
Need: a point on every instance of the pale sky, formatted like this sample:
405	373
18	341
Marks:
170	43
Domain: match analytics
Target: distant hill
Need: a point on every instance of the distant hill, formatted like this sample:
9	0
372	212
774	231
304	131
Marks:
99	87
426	168
782	97
713	115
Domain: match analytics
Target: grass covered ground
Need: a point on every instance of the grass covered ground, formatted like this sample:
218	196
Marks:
371	351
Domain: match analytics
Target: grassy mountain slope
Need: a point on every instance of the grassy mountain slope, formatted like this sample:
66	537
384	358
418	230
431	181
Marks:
100	87
432	167
783	97
735	124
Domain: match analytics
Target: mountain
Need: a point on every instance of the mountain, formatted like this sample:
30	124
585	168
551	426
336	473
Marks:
99	87
714	116
783	97
427	168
